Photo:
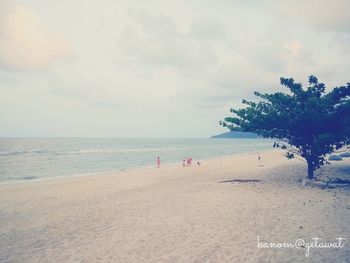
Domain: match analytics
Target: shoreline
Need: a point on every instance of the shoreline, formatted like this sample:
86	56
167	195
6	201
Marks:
106	173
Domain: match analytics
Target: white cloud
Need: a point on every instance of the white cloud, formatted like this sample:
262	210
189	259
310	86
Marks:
325	14
159	41
25	42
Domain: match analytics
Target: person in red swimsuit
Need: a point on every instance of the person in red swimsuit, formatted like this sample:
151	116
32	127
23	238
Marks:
158	162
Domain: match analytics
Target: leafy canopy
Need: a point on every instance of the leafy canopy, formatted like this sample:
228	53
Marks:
312	121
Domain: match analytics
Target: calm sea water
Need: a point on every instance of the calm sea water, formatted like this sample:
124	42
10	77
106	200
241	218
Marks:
27	159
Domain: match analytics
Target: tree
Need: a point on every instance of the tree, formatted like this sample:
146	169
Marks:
306	122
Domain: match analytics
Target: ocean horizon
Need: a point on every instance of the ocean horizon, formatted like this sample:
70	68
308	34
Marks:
26	159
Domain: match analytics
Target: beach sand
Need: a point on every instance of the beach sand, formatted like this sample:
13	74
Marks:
177	214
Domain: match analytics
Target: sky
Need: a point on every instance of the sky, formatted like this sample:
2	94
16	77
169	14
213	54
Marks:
112	68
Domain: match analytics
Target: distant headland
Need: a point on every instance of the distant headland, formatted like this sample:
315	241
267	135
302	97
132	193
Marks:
236	134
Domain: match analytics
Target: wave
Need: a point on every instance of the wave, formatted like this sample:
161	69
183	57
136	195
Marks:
125	150
93	151
13	153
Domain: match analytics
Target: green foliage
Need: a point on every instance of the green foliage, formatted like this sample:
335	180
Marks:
307	122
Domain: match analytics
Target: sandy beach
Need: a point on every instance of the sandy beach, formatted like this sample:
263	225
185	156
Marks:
178	214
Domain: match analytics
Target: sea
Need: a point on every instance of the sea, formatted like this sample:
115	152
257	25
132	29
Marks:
25	159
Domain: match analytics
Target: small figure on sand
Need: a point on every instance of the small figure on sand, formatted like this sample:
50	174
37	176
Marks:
259	159
189	161
158	162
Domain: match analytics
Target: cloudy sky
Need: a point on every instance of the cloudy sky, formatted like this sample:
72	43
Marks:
157	68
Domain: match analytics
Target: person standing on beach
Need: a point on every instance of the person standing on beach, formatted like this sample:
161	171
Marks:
158	162
259	159
189	161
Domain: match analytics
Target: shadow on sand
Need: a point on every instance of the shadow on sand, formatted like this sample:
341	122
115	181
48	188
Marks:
241	181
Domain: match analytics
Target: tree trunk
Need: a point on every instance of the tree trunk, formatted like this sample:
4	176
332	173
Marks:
310	169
